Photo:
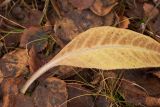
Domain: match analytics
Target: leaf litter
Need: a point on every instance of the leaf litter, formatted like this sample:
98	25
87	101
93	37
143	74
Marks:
44	33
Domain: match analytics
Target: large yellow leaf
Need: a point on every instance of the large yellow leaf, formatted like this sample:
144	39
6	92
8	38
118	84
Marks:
106	48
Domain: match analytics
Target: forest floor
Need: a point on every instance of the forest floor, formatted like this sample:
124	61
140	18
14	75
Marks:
34	31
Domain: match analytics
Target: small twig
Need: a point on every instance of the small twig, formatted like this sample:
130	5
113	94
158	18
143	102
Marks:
44	10
55	8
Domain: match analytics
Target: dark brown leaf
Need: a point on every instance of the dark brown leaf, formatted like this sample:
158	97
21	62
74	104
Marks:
135	9
52	95
145	80
79	95
101	101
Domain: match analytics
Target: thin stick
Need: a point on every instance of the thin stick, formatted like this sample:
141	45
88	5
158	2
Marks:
12	21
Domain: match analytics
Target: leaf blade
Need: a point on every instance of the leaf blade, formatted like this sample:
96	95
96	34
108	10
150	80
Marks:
106	48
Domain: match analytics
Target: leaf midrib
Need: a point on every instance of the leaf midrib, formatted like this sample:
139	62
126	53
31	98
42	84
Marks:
83	50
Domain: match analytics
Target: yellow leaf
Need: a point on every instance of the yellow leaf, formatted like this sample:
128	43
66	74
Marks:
105	48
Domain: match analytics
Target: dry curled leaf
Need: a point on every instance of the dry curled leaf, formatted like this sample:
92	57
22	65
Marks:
106	48
99	9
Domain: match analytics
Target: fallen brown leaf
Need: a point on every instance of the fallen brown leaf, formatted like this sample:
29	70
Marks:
150	10
144	80
14	63
99	9
65	29
33	36
152	102
79	96
101	101
22	101
81	4
133	94
11	96
135	9
155	25
109	19
25	17
53	94
85	19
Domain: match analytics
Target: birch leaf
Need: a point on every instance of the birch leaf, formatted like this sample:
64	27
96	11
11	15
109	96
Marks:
105	48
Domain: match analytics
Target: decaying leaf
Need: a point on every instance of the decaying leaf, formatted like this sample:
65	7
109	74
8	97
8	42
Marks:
79	94
106	48
11	95
14	63
53	94
135	9
34	36
101	10
66	29
140	89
